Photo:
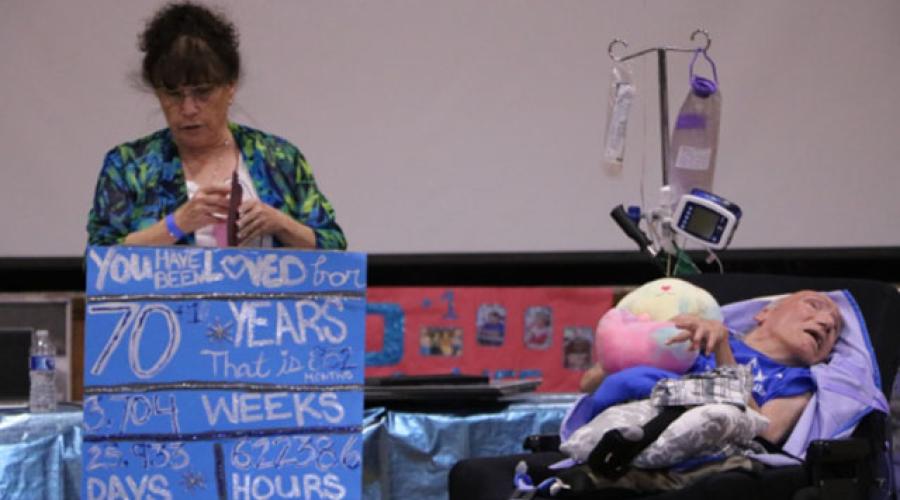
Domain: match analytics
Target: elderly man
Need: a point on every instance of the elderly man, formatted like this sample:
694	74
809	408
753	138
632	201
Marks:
791	335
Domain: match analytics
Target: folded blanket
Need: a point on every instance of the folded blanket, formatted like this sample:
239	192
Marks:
710	430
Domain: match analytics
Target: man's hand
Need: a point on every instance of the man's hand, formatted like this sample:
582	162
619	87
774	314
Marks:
708	335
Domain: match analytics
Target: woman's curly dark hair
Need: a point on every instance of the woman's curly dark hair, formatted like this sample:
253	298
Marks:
188	44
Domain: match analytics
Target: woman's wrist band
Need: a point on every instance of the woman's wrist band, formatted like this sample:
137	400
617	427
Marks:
173	228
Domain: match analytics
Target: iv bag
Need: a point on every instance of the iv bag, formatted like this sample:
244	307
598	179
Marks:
695	139
621	95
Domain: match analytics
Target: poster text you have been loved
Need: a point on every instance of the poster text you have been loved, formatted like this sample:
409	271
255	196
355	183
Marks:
172	269
223	374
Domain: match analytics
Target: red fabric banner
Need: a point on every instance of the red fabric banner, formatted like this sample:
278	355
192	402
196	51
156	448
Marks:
502	332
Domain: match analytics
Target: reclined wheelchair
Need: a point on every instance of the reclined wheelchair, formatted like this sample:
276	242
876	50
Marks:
857	467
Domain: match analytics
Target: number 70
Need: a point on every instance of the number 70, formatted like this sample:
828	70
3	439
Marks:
135	316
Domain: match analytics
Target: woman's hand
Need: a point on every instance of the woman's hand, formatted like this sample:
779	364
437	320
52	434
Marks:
259	219
708	335
208	206
256	218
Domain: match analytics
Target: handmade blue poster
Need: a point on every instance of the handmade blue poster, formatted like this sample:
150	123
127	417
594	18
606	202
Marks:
223	373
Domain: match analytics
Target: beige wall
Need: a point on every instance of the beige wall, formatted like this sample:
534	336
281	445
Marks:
476	125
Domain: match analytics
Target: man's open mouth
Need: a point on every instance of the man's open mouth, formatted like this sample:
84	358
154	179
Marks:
816	335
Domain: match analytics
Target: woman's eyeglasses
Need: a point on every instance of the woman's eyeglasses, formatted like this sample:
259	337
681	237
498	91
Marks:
175	97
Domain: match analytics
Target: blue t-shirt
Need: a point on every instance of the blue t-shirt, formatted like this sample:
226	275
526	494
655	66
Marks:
770	378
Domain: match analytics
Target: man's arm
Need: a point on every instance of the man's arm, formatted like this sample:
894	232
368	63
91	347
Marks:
782	413
712	336
592	378
703	334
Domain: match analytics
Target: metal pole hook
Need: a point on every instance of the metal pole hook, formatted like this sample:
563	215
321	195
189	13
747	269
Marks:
612	46
700	32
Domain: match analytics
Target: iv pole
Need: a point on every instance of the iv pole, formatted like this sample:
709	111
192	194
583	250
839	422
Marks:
618	214
663	87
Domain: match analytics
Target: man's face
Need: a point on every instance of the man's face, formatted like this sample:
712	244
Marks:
807	323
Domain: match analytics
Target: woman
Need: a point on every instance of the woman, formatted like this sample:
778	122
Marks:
173	186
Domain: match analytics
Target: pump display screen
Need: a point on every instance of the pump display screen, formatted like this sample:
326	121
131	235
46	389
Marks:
707	219
702	222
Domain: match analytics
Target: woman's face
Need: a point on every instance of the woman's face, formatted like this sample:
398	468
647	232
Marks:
197	115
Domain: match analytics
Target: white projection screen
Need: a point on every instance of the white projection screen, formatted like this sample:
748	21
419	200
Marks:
477	125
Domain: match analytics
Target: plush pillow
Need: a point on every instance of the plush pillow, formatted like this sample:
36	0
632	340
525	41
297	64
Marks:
627	418
636	330
700	431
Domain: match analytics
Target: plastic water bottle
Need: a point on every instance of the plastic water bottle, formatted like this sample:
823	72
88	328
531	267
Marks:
42	396
695	139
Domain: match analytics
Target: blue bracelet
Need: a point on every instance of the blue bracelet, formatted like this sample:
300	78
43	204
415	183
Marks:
173	228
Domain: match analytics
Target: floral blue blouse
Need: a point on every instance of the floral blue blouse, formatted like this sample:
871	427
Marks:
142	181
